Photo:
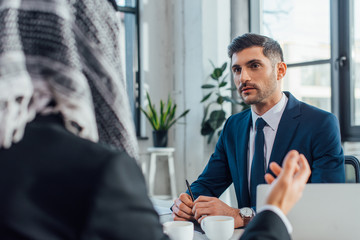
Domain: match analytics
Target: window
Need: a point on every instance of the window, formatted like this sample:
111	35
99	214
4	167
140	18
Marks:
128	15
321	43
307	51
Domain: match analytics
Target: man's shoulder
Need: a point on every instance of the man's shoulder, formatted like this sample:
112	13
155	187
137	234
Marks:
308	111
314	112
240	116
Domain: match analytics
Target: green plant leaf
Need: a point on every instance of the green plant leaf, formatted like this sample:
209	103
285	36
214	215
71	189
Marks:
217	73
222	84
206	129
162	114
168	109
210	137
149	118
223	67
216	118
182	115
206	97
232	88
228	99
170	118
244	105
220	100
153	114
213	76
208	86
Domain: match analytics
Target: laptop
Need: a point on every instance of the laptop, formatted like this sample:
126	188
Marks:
325	211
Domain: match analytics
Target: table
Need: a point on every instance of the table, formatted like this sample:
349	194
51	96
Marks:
163	209
198	235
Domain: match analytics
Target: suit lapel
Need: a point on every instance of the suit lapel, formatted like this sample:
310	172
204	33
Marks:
286	130
242	155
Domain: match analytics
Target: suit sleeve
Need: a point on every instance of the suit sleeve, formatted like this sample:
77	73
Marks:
121	208
216	176
328	157
267	225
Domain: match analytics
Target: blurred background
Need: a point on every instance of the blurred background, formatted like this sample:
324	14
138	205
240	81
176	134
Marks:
171	47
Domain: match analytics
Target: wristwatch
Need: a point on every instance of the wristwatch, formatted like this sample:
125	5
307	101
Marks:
246	214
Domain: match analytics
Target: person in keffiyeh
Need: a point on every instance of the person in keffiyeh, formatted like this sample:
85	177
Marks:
63	57
68	148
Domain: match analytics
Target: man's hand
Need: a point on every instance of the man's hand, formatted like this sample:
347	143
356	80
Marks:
182	208
287	188
212	206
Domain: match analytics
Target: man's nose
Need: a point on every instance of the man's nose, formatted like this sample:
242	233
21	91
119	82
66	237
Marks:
244	77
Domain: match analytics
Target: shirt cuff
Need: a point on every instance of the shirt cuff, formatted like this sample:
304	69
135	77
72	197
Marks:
280	214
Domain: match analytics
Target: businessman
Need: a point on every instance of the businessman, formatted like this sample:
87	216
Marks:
271	222
275	124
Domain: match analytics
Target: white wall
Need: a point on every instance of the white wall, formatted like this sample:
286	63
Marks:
177	40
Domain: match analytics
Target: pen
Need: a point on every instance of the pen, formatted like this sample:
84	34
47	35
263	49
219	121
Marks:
188	186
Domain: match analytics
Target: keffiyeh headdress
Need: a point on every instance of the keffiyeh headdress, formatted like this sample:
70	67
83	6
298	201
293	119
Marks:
63	56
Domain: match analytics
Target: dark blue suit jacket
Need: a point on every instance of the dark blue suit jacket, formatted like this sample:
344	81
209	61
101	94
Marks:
309	130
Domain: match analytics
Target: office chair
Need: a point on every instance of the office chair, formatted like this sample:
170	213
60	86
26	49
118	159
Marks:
352	169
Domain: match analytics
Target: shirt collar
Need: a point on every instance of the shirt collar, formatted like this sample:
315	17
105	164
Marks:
273	115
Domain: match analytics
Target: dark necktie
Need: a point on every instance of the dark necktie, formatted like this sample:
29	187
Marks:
258	162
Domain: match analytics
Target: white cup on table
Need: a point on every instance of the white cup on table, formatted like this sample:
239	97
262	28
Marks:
218	227
179	230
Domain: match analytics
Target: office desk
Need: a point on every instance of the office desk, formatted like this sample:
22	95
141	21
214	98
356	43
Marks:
198	235
163	209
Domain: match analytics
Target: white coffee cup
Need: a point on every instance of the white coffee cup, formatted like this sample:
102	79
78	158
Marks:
179	230
218	227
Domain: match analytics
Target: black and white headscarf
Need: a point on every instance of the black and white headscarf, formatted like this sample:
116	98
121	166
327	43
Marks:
63	56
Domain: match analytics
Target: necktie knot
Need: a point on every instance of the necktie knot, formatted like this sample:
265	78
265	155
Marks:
260	124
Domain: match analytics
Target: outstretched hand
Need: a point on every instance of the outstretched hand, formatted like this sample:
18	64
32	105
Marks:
291	179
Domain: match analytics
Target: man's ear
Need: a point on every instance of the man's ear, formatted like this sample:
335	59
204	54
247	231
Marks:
281	70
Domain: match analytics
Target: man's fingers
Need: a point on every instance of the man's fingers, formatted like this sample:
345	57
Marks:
304	171
185	198
275	168
177	218
200	212
180	206
290	164
203	199
203	205
269	178
181	214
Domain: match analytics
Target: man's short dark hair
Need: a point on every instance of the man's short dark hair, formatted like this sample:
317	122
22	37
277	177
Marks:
271	48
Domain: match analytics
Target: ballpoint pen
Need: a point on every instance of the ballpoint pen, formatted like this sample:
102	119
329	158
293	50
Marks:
189	189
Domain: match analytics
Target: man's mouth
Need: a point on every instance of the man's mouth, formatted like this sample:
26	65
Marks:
246	89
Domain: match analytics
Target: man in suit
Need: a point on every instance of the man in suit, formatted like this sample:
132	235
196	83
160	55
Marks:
250	140
271	222
63	102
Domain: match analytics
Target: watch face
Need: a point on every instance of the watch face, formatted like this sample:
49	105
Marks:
246	212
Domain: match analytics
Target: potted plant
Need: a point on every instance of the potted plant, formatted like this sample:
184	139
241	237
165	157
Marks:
212	123
162	121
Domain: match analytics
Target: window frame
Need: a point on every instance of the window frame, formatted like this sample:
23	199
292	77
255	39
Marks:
137	84
340	63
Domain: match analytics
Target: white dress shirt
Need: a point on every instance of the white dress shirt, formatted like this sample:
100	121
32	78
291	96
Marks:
272	118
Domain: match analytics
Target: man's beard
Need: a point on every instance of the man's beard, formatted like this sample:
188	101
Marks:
261	94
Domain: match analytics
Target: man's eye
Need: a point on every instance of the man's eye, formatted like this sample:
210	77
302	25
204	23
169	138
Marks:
237	70
255	65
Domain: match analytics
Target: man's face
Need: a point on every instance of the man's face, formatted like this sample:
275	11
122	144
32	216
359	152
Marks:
255	76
